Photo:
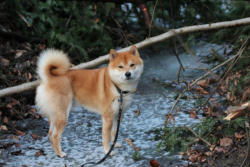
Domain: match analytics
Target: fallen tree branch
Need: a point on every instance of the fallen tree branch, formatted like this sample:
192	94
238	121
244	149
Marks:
146	42
196	135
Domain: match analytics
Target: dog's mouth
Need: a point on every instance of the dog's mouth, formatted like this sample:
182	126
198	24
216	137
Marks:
129	78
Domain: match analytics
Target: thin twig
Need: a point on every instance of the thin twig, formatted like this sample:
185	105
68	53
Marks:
181	67
149	31
179	74
207	73
184	45
24	19
177	56
248	145
68	21
223	76
191	130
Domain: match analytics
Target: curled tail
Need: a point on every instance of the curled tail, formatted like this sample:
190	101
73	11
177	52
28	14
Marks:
52	63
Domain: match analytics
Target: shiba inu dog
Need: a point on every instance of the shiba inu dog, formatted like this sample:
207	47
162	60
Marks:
95	89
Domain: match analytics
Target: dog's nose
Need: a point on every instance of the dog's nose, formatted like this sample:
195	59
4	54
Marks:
128	74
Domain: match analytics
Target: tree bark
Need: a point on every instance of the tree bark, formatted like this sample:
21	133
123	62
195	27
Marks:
146	42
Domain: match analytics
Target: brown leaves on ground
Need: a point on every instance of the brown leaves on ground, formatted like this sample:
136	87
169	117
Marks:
17	65
226	141
239	135
39	153
154	163
203	83
35	137
131	144
201	90
246	94
195	156
20	133
193	115
213	109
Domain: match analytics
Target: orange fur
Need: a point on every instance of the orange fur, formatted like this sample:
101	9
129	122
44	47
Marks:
94	89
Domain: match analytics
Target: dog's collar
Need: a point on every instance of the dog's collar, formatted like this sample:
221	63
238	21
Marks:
122	91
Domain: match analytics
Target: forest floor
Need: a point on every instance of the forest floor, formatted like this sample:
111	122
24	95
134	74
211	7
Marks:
222	138
230	146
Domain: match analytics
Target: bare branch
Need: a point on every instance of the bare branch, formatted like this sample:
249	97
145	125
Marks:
146	42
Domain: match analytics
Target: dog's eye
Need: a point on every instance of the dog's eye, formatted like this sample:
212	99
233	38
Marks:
132	65
120	66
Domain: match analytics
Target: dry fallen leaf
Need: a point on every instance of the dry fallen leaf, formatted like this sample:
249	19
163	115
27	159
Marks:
29	76
201	91
41	46
246	94
15	137
219	149
20	133
238	135
19	53
35	137
130	142
208	153
154	163
137	149
225	142
39	153
193	115
203	83
212	147
193	158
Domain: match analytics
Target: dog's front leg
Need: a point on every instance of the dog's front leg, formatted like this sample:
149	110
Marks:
114	131
106	131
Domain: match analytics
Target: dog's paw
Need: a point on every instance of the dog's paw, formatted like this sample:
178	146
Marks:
62	154
112	153
118	145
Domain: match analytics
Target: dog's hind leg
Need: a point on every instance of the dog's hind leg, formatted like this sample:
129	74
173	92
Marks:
57	126
51	127
55	138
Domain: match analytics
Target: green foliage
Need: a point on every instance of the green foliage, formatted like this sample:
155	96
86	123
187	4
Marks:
70	25
136	155
175	139
86	29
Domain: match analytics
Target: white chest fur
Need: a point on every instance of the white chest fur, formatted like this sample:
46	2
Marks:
127	99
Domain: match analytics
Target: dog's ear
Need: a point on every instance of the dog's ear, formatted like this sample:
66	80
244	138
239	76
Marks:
134	50
112	54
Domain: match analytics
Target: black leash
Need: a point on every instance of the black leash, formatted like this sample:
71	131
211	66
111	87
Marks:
117	130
